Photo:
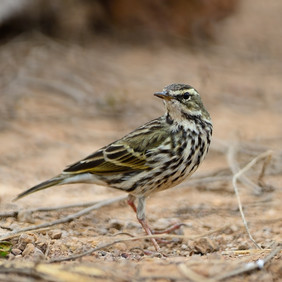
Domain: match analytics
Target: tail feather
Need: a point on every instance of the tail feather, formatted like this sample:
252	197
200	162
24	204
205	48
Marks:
48	183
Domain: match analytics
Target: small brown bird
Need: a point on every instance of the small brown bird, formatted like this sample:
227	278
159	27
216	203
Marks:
153	157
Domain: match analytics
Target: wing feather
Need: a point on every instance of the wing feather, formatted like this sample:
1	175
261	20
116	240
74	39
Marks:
125	155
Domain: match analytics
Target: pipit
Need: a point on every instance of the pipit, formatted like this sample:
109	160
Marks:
156	156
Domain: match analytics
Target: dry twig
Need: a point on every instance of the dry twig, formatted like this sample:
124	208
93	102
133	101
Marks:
68	218
231	156
247	267
47	209
238	175
192	275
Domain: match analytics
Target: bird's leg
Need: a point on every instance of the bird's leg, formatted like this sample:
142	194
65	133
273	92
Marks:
130	201
140	213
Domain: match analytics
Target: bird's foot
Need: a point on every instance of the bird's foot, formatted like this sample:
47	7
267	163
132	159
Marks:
168	230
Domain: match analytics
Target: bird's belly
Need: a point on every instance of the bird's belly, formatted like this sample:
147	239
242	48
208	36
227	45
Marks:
162	178
177	171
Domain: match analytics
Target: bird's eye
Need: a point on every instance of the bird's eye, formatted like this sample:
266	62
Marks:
186	95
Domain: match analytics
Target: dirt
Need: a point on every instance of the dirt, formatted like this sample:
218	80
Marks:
60	102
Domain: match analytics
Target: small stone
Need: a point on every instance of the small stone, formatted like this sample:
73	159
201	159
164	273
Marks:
42	246
37	254
11	256
55	234
204	246
243	246
184	247
16	251
29	249
125	255
24	240
120	246
102	231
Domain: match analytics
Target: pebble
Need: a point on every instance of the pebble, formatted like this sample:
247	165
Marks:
121	246
184	247
204	246
11	256
29	249
103	231
25	239
16	251
55	234
243	246
38	254
42	246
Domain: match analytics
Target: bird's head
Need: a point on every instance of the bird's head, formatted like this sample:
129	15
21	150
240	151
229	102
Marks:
181	101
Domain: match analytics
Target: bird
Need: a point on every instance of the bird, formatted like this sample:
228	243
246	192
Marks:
154	157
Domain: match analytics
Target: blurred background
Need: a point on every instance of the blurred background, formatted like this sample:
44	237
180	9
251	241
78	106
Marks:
76	75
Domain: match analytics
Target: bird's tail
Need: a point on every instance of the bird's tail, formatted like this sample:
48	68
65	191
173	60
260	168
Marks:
57	180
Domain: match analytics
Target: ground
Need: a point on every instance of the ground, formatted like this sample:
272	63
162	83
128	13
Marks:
60	102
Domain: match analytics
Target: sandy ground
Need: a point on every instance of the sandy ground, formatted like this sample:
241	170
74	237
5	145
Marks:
60	102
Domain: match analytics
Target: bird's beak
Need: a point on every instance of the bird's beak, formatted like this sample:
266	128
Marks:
163	95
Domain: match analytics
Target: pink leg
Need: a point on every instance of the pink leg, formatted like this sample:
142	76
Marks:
130	201
141	217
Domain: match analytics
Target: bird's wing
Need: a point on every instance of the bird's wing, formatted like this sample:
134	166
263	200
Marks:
125	155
